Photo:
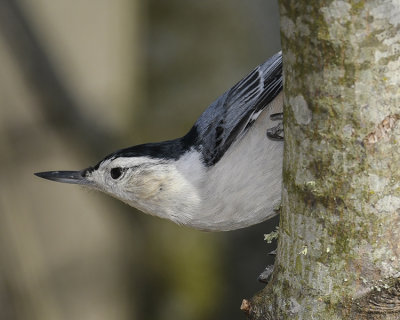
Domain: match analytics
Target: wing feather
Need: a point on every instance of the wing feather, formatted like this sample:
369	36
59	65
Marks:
231	115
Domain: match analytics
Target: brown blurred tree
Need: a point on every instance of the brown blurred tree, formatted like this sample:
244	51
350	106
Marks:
338	253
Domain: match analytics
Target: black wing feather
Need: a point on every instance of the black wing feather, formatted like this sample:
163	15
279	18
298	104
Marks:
231	115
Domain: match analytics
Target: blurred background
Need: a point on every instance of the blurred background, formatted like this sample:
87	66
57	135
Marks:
78	80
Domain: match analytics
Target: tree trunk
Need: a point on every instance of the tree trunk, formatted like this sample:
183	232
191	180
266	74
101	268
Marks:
338	252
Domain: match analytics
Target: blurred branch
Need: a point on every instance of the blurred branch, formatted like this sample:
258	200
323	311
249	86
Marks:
61	110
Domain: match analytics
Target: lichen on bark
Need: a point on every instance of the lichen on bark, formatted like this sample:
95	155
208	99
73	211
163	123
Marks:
339	238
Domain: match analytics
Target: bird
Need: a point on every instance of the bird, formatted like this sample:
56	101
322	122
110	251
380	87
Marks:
224	174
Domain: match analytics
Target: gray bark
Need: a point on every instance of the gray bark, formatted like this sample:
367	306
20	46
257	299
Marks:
338	252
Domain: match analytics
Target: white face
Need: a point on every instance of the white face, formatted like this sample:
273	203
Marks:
154	186
131	179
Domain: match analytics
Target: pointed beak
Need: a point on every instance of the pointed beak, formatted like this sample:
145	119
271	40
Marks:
74	177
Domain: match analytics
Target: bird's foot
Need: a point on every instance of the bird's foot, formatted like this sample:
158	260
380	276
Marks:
276	133
276	116
266	274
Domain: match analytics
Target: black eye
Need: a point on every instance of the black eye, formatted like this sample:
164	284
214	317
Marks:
116	172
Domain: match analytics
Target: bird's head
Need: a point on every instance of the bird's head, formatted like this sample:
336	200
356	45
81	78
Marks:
154	184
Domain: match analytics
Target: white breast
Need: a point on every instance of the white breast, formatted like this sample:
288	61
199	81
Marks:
243	188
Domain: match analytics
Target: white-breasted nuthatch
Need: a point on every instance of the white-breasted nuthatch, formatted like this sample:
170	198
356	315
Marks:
224	174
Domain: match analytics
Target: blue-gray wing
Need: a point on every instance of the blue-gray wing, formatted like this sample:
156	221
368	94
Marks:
232	114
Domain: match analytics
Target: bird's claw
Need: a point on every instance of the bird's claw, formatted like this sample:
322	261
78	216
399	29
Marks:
266	274
276	133
276	116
